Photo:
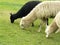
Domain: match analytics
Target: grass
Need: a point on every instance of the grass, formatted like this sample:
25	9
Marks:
12	34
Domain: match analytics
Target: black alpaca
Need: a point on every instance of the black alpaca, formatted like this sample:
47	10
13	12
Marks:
24	10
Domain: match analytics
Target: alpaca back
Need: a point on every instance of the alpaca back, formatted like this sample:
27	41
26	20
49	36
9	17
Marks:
27	8
46	9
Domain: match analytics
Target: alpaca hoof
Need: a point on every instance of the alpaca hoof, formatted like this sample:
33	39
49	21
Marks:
38	31
32	25
47	36
56	32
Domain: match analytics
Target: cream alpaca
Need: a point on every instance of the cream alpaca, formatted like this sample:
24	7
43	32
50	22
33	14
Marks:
42	11
55	25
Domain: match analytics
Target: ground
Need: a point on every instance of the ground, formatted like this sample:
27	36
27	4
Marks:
12	34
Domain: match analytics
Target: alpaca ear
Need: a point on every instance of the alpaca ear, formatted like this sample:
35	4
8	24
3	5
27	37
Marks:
23	17
11	14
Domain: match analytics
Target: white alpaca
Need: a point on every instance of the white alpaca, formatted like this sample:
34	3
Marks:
55	25
42	11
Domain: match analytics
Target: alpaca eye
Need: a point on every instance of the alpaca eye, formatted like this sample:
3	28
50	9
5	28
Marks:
22	26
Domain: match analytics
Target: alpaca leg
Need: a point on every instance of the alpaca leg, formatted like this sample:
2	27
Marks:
32	24
47	33
58	30
42	25
47	22
50	29
39	29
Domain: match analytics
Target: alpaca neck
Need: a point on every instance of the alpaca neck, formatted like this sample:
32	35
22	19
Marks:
15	16
31	17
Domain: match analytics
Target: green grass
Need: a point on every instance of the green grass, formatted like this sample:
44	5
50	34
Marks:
12	34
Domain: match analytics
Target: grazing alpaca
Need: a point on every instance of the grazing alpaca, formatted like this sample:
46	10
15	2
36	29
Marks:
55	25
24	10
42	11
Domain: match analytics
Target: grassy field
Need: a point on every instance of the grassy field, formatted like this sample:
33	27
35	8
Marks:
12	34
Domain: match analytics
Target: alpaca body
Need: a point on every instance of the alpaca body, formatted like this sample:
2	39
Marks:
54	26
47	9
42	11
24	10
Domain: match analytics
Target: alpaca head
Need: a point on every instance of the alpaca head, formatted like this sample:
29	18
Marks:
24	23
11	18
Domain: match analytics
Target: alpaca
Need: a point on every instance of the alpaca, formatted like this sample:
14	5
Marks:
43	11
24	10
54	26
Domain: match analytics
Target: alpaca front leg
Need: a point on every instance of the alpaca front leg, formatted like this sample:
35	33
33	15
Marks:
39	29
47	35
43	25
46	21
47	31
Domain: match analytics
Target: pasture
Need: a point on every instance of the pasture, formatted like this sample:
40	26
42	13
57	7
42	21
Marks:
12	34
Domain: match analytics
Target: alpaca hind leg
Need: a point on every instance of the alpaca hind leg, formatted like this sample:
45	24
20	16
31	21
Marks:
58	31
32	24
47	23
